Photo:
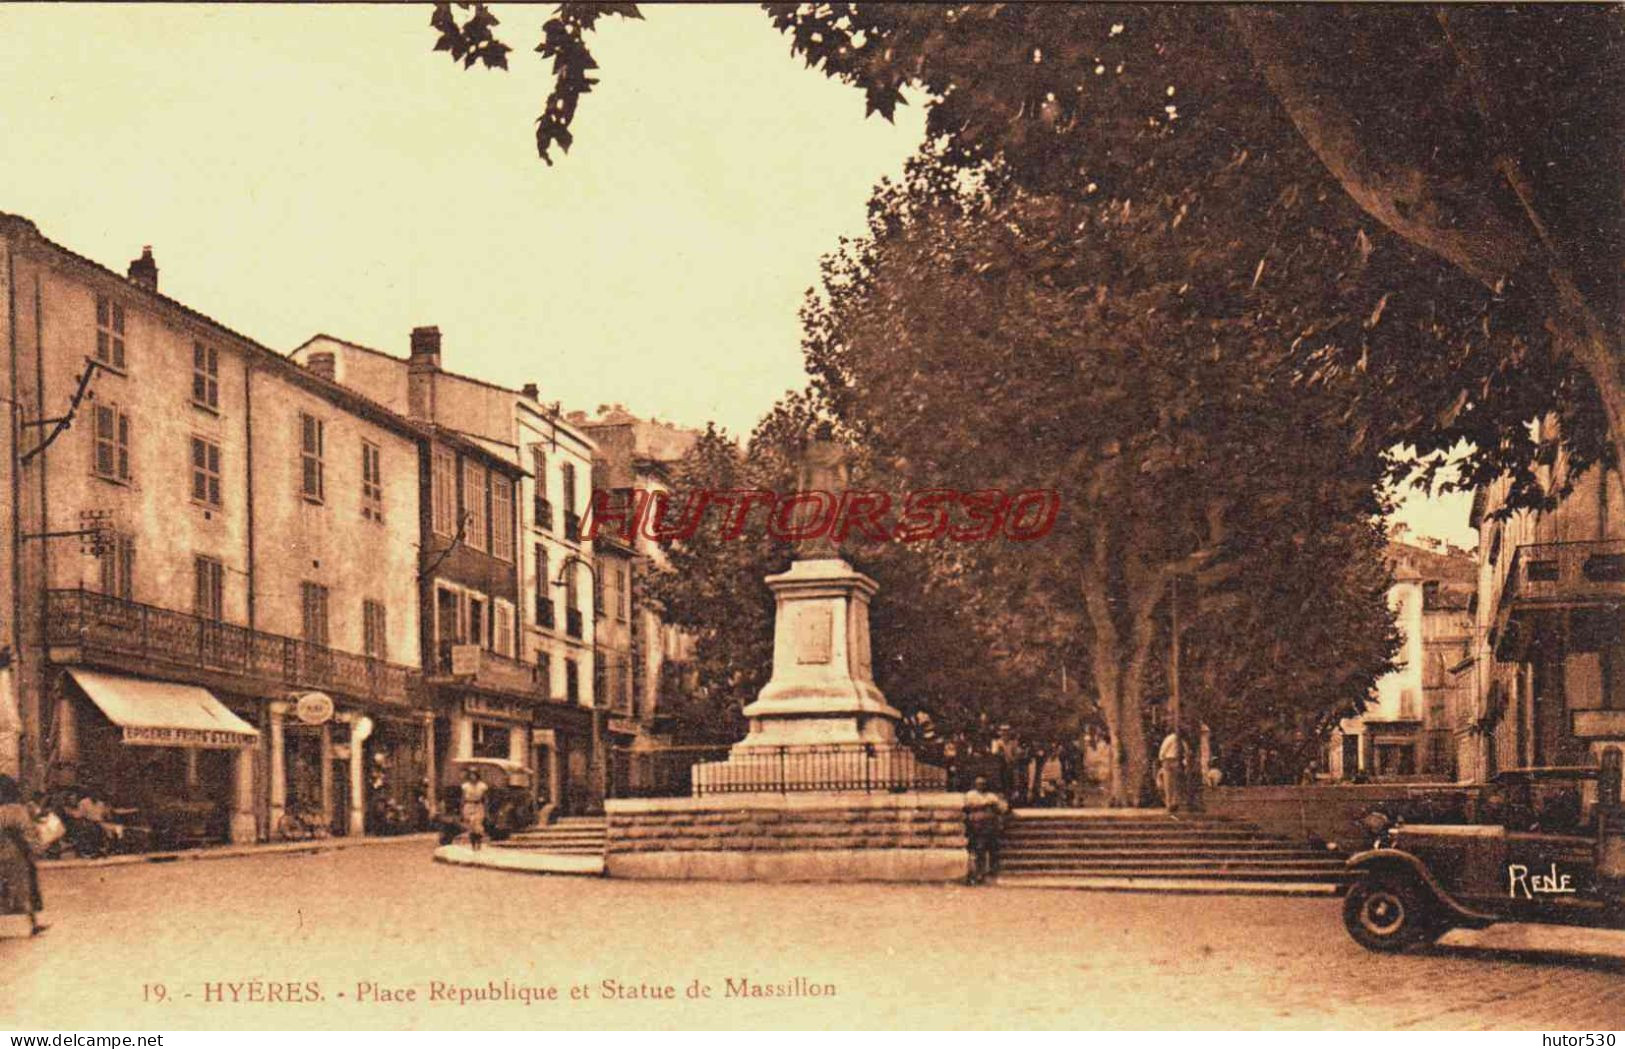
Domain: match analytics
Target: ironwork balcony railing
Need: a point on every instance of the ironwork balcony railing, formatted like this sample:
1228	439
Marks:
543	512
544	611
1543	578
493	671
1567	573
572	622
572	526
103	627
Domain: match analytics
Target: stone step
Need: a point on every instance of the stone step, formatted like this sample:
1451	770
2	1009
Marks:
1255	855
1171	885
1281	872
1042	830
1158	842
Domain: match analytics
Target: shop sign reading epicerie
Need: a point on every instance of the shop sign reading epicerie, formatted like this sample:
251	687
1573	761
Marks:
159	736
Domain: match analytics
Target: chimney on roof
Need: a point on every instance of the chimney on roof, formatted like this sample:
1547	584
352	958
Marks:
421	368
144	271
530	391
323	363
426	348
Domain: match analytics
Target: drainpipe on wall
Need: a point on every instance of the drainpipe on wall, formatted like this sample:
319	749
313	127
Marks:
248	486
43	695
13	632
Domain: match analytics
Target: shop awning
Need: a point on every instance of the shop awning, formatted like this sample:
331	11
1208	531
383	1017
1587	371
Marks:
164	714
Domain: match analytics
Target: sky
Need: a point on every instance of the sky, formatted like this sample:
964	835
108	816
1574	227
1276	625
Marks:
319	169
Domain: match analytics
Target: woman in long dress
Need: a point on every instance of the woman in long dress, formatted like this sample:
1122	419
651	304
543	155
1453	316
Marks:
19	880
474	791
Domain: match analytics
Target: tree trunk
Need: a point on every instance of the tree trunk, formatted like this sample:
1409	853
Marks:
1464	214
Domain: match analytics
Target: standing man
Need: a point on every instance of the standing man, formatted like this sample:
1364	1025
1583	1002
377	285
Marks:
984	816
1173	754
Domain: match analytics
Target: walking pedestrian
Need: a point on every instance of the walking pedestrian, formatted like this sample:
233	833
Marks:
19	878
1173	753
984	815
474	791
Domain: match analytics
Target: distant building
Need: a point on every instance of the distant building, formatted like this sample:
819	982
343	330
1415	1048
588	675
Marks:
635	454
1550	653
1415	722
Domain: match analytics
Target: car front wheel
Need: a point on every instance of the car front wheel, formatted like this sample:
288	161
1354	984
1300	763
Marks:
1388	913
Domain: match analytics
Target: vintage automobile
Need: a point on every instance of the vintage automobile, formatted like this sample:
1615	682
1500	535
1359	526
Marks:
511	804
1538	845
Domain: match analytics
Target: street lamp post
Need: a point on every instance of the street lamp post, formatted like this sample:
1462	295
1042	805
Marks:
601	778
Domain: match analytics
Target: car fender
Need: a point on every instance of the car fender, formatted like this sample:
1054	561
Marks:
1381	859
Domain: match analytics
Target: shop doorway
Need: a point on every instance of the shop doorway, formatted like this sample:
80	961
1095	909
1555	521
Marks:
303	751
543	757
339	813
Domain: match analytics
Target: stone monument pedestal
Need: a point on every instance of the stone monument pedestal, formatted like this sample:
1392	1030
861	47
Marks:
820	723
820	789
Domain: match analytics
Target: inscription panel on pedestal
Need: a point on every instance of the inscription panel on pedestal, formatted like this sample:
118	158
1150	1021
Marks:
812	627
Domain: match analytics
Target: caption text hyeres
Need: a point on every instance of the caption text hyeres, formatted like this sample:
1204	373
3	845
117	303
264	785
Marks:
488	992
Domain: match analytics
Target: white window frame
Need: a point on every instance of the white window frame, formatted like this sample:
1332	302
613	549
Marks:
502	530
443	492
476	481
502	627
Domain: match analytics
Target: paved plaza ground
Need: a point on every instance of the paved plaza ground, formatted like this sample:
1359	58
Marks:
897	956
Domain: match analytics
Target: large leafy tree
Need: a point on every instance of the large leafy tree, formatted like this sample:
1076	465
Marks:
937	647
1487	136
1135	354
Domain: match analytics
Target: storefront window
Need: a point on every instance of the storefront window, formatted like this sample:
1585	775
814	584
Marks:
491	741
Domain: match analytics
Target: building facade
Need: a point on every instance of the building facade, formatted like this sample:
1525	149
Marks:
209	583
1417	717
1549	659
552	563
638	455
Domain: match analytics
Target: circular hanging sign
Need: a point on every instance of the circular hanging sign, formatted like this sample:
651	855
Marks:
314	708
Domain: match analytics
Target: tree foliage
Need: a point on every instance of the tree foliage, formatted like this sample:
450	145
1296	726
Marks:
935	648
1487	136
1136	354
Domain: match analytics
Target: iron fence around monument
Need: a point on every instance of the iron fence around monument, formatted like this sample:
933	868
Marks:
708	770
814	768
659	772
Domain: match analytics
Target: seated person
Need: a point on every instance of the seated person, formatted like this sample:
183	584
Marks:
96	809
84	834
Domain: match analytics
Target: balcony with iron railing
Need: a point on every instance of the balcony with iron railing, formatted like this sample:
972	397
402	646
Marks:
573	622
543	513
82	626
572	526
486	670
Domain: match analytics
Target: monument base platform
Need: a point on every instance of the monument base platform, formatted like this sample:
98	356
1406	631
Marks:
908	837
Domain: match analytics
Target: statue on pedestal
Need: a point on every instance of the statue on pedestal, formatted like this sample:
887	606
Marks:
823	470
